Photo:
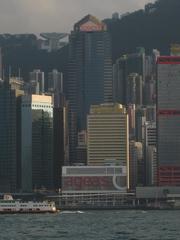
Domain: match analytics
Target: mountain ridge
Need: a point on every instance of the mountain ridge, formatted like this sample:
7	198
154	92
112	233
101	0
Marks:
154	27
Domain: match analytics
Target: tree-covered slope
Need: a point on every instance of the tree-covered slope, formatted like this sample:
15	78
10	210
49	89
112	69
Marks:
157	26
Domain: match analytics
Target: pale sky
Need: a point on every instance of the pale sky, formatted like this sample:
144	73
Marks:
35	16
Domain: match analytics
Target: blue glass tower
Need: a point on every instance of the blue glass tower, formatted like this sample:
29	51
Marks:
89	73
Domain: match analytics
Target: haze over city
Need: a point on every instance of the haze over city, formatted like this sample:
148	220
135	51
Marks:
57	15
90	119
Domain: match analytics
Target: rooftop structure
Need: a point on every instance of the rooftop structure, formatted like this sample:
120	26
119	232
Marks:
53	40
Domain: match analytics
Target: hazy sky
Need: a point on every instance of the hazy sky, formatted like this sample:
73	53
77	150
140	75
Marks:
24	16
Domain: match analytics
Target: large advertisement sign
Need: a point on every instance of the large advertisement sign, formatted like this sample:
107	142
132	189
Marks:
168	60
90	27
93	183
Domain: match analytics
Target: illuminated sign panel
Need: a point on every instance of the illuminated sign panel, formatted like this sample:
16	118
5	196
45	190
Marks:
169	175
89	26
169	112
168	60
94	183
94	178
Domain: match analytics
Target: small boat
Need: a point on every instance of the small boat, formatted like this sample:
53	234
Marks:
10	205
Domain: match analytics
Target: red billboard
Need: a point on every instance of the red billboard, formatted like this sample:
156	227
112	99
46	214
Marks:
168	60
169	175
168	112
93	183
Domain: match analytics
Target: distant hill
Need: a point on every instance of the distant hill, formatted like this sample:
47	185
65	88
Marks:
20	51
156	26
28	59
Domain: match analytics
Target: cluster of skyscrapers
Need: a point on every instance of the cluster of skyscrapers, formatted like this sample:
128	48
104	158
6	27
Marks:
97	120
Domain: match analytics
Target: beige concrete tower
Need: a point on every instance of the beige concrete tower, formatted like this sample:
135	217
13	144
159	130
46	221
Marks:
108	143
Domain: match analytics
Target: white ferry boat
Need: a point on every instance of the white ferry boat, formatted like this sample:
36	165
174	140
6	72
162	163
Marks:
10	205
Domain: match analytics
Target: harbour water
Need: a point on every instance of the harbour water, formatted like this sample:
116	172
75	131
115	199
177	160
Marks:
92	225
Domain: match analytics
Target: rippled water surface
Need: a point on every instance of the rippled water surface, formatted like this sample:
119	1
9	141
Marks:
92	225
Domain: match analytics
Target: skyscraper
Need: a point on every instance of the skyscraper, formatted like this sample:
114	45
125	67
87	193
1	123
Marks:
8	136
150	78
37	142
55	81
60	136
134	89
150	141
89	73
37	82
124	66
1	67
168	120
81	156
135	164
108	137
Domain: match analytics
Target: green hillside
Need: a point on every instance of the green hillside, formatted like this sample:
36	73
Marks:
156	26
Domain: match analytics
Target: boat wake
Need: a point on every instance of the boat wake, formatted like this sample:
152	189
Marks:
71	212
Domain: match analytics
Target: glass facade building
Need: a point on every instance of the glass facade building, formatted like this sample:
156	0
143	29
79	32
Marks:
89	73
123	67
37	142
7	139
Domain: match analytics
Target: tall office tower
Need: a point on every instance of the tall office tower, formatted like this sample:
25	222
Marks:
150	78
143	115
125	65
135	164
1	66
36	142
139	121
155	55
150	63
81	157
134	89
168	120
151	166
150	143
150	91
7	139
108	137
89	73
55	81
131	110
37	82
60	136
148	66
58	145
151	113
150	134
